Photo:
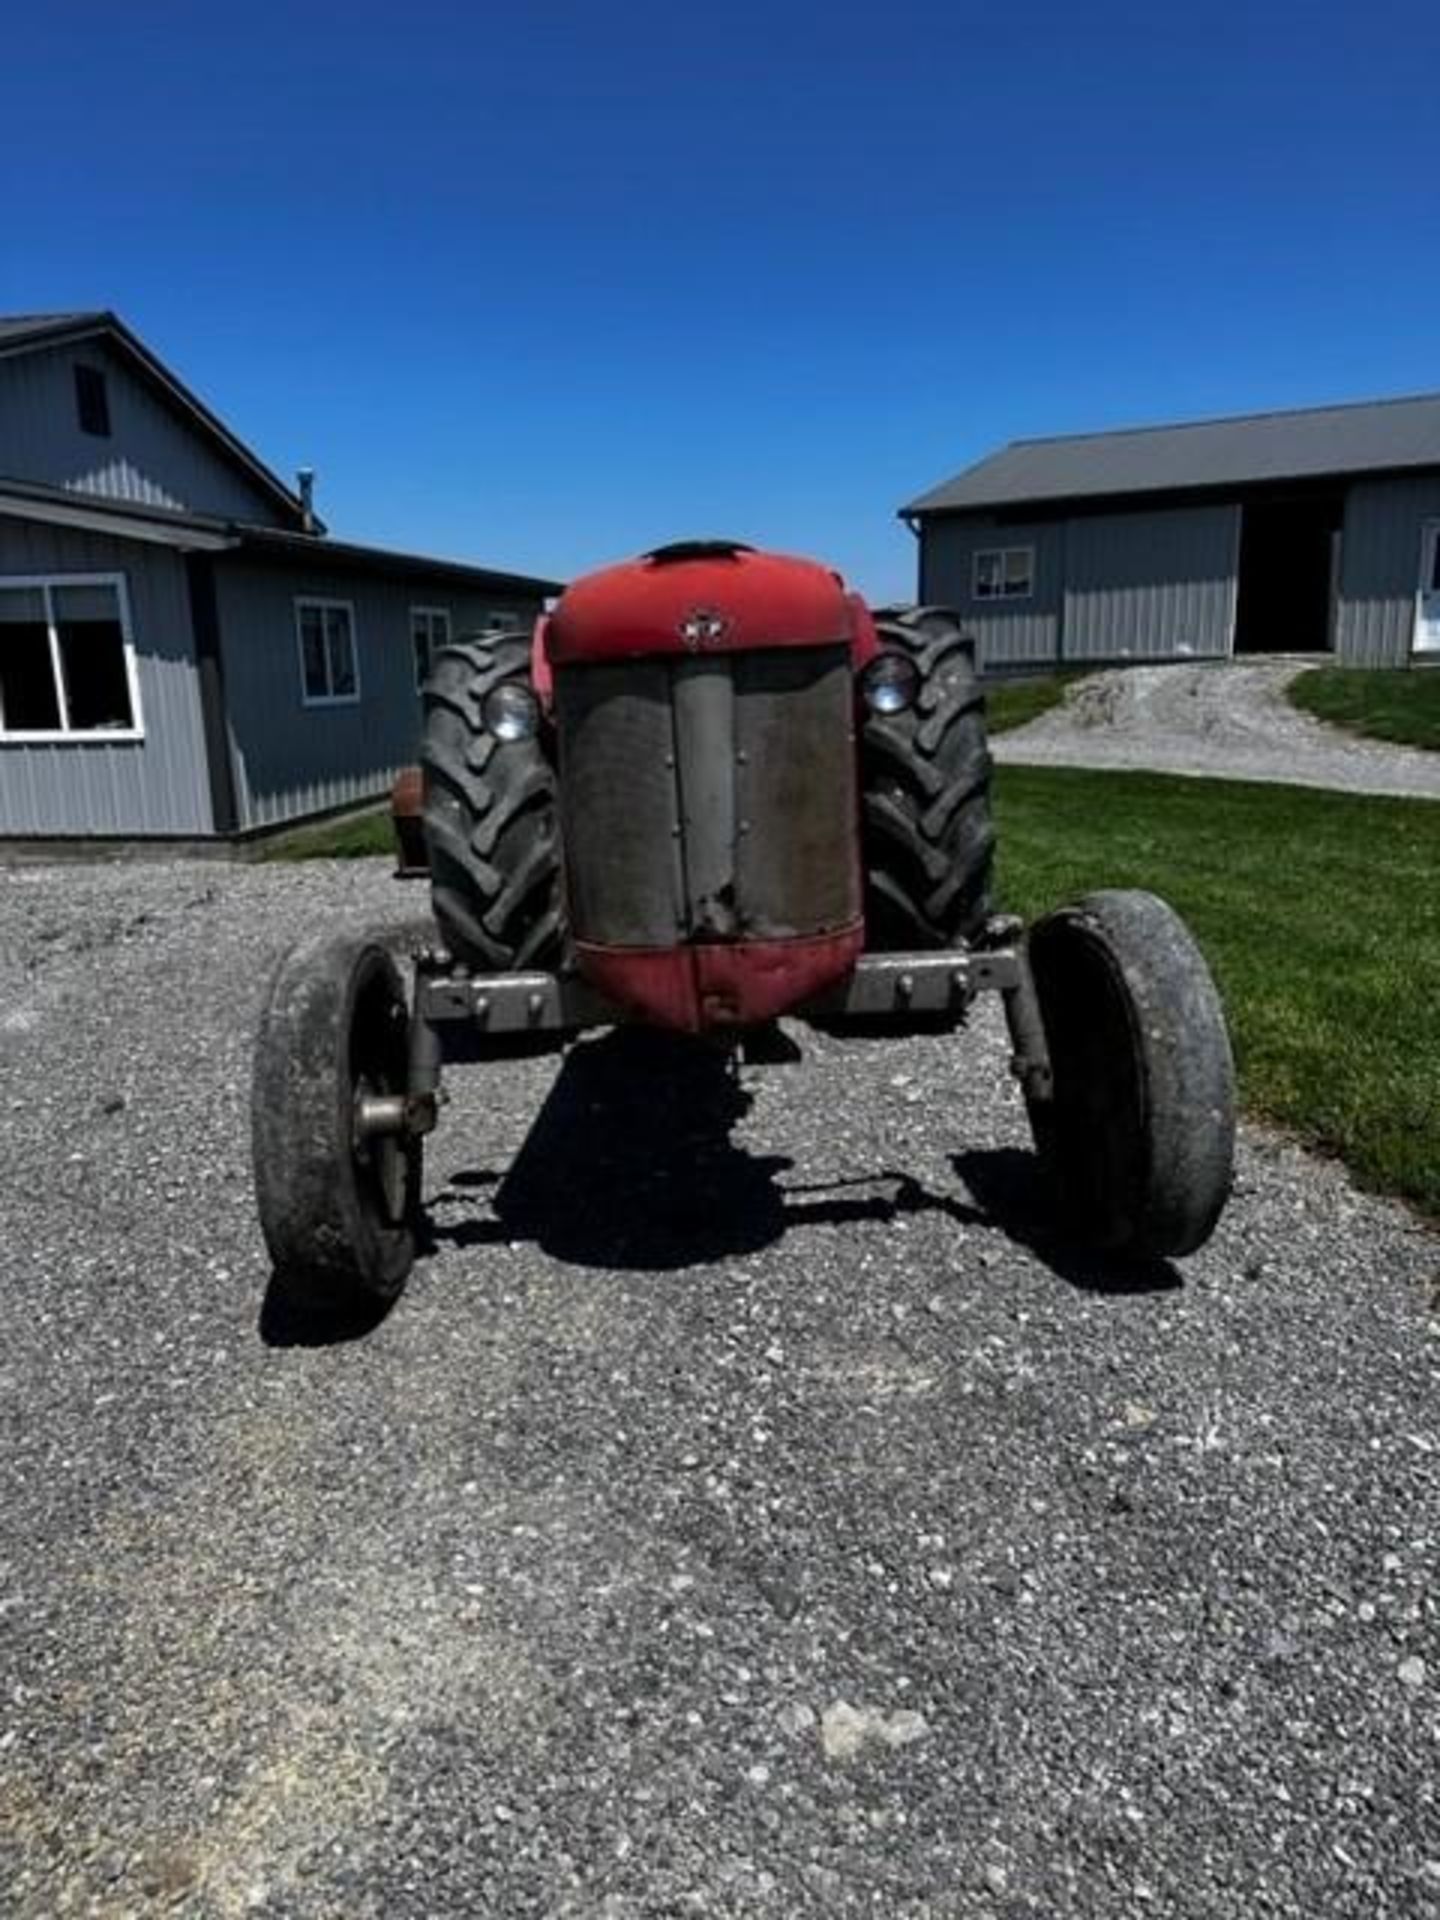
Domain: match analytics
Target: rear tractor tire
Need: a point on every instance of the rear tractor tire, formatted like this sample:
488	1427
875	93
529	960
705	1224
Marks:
338	1209
490	815
1138	1138
928	840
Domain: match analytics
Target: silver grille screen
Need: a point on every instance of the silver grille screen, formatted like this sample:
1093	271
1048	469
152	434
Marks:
711	798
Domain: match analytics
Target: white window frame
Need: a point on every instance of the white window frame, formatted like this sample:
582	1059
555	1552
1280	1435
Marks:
321	604
66	736
1002	555
1421	647
430	613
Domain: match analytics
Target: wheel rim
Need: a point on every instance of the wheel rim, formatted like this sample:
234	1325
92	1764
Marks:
378	1069
379	1159
1094	1126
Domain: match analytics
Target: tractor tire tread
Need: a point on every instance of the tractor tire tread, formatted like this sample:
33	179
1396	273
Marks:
490	815
929	843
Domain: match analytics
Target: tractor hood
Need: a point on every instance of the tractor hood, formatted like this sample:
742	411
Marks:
706	597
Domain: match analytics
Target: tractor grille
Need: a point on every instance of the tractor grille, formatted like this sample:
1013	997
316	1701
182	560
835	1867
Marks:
709	799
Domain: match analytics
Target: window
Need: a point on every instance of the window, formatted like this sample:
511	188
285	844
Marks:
429	630
92	402
329	672
501	621
1003	573
67	665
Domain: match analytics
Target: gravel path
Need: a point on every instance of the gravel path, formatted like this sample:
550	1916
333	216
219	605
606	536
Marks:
1222	719
756	1522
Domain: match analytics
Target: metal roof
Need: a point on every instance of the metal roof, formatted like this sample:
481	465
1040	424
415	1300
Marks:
58	507
306	549
1362	437
131	520
16	328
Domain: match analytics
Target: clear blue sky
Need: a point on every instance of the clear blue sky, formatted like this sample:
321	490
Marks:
543	285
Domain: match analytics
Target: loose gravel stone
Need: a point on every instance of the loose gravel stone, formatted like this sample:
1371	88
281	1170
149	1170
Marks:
534	1596
1230	719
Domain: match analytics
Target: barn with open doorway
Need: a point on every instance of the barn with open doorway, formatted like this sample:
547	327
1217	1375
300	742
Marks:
1315	531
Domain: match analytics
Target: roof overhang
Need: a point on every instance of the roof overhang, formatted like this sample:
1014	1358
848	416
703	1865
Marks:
299	549
1019	509
204	533
180	535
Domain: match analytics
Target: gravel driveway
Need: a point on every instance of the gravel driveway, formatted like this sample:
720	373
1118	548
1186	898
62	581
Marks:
1226	719
745	1511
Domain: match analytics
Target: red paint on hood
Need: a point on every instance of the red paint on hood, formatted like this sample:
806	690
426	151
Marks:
706	598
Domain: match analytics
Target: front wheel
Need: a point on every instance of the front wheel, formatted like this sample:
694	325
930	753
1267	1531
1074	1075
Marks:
1138	1138
338	1207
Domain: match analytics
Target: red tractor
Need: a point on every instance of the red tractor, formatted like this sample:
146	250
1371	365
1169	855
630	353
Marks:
712	790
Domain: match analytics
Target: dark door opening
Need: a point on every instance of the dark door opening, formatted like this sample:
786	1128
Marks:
1289	552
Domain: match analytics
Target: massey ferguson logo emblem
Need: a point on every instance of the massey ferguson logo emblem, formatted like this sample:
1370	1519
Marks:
703	627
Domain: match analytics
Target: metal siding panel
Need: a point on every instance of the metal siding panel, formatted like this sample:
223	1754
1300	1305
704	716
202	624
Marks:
1379	569
289	759
151	455
1150	586
157	785
1014	633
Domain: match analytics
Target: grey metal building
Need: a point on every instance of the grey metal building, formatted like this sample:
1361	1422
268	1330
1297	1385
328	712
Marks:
184	651
1283	532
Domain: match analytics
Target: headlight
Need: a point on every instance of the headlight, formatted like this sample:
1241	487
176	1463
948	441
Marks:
890	683
511	711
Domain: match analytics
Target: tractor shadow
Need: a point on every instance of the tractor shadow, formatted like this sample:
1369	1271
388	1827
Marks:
289	1319
1008	1186
631	1163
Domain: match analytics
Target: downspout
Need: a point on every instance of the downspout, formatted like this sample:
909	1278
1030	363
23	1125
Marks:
917	527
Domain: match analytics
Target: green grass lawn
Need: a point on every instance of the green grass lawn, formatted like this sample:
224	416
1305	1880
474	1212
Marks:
1392	703
353	839
1010	703
1320	914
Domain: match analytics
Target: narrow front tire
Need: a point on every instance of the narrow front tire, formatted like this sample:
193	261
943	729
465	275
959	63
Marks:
1138	1136
338	1207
